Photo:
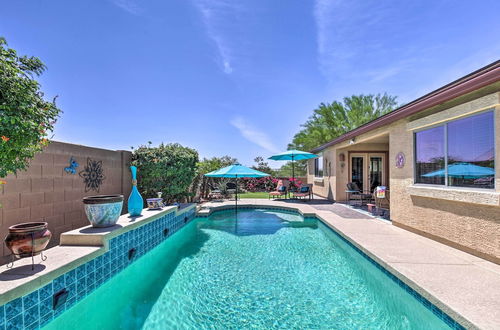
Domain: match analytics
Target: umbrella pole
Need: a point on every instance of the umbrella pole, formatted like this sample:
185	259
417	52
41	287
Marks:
293	171
236	194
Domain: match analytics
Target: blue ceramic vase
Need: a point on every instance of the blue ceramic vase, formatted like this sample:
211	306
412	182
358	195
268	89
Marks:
135	202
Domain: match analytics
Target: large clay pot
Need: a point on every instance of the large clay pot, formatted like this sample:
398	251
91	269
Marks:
28	239
103	210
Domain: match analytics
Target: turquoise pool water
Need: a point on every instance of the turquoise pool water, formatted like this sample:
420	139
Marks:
268	269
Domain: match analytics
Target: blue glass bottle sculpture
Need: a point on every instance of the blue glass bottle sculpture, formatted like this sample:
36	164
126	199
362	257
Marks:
135	202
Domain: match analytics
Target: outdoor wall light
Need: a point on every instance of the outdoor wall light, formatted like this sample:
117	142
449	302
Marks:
352	141
342	161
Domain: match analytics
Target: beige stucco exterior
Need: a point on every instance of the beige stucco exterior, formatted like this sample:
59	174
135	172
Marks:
464	218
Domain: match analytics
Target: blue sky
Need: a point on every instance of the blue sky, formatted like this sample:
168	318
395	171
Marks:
237	77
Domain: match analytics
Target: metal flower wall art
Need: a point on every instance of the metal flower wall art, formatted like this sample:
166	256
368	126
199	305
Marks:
92	175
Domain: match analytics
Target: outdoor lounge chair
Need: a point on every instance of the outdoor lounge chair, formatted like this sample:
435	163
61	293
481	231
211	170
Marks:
354	193
382	203
304	192
280	191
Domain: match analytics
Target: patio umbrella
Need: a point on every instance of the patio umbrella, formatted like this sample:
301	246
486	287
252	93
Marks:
236	171
464	171
293	155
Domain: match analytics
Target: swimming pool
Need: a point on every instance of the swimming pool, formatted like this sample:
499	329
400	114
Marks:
268	269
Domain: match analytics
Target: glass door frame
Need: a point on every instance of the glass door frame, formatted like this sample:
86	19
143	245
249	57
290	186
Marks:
366	166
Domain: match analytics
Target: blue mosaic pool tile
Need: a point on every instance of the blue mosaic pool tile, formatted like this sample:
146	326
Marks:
433	308
72	290
15	323
59	310
70	302
70	277
32	326
30	300
2	317
80	282
46	318
89	266
81	288
31	315
46	307
90	288
46	291
13	308
80	272
58	284
98	262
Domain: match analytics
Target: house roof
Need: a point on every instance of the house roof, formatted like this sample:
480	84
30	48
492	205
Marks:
469	83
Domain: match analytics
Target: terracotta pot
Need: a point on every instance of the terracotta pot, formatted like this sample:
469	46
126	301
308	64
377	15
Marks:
103	210
27	239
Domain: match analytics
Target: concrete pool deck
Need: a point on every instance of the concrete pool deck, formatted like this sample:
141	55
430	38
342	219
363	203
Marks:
464	286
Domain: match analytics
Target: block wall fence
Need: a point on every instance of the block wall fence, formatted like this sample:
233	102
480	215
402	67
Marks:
47	192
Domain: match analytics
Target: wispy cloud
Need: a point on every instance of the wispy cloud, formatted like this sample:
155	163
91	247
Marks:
350	33
254	135
129	6
214	13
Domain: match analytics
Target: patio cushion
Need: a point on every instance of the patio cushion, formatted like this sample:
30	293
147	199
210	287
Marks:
277	193
304	189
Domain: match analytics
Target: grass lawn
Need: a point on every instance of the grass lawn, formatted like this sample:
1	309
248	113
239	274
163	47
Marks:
254	195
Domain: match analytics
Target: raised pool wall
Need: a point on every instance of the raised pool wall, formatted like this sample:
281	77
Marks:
25	308
46	192
463	218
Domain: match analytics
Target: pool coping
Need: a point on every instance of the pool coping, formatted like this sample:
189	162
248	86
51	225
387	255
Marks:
451	303
76	248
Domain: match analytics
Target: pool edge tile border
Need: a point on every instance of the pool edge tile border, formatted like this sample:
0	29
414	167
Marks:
457	321
82	278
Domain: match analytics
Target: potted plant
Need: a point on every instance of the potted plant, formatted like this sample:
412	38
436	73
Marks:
103	210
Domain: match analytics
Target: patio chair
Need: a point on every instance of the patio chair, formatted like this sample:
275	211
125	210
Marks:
355	193
382	201
303	192
215	193
281	190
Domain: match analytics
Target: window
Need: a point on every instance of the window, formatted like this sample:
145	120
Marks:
429	153
460	153
318	167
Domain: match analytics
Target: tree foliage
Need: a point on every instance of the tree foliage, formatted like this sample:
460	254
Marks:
168	168
262	165
331	120
300	169
26	118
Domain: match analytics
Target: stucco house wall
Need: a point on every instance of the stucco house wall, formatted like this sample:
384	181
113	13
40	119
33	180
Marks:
465	218
468	219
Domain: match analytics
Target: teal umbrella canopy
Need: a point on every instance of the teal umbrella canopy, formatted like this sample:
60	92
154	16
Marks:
236	171
464	170
293	155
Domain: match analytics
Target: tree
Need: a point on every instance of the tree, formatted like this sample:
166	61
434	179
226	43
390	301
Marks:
168	168
26	118
331	120
262	166
300	168
207	165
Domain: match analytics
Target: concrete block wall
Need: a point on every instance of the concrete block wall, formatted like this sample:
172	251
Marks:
46	192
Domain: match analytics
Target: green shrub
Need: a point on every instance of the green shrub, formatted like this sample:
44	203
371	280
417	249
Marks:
168	168
26	118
